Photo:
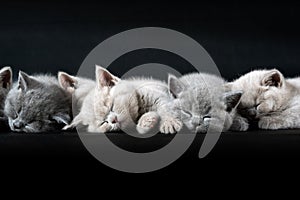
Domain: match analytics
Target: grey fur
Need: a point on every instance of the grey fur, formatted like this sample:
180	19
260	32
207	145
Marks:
5	85
37	104
202	102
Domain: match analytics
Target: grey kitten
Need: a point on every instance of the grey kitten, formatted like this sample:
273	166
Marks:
37	104
5	85
270	98
202	103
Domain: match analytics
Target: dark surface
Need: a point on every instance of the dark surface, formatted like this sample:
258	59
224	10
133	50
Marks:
49	36
281	144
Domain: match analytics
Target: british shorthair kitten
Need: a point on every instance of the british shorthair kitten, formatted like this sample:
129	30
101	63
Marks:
202	103
37	104
270	98
5	85
139	104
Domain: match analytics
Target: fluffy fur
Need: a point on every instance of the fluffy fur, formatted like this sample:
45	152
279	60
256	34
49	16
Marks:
201	102
5	85
37	104
78	87
270	98
117	104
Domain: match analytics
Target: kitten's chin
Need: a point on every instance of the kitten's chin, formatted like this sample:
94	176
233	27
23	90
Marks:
201	129
24	130
17	130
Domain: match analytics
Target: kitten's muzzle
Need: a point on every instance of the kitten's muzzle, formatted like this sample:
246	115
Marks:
18	125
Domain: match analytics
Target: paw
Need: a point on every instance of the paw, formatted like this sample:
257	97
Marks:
272	123
76	121
239	124
170	125
104	128
147	122
68	127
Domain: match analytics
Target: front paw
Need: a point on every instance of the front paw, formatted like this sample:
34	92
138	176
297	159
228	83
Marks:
147	122
272	123
239	124
170	125
104	128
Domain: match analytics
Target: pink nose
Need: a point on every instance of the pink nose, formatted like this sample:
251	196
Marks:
114	120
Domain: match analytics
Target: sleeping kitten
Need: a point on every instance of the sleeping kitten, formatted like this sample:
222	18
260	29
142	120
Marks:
5	85
117	104
270	98
78	87
37	104
202	103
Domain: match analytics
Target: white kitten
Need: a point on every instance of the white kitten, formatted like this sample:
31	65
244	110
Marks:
117	104
270	98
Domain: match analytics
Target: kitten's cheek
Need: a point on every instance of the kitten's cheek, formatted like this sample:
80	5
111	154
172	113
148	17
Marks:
265	107
189	125
207	121
10	123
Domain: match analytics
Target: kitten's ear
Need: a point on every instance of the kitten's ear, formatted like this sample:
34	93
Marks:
5	77
273	78
105	78
232	99
67	82
176	87
25	81
62	118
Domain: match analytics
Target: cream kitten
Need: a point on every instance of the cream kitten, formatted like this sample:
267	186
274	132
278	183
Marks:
115	104
270	98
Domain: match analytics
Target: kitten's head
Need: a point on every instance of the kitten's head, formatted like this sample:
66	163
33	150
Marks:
78	87
5	85
263	92
104	104
205	107
37	105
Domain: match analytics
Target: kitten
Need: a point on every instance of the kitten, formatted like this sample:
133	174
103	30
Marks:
138	103
270	98
78	87
202	102
5	85
37	104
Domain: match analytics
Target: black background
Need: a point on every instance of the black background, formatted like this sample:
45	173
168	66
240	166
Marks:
240	36
40	37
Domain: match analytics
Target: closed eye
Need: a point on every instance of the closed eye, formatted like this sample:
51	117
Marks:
112	107
19	110
207	117
187	113
17	113
256	105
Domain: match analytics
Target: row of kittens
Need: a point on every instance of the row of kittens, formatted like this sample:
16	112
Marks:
199	101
